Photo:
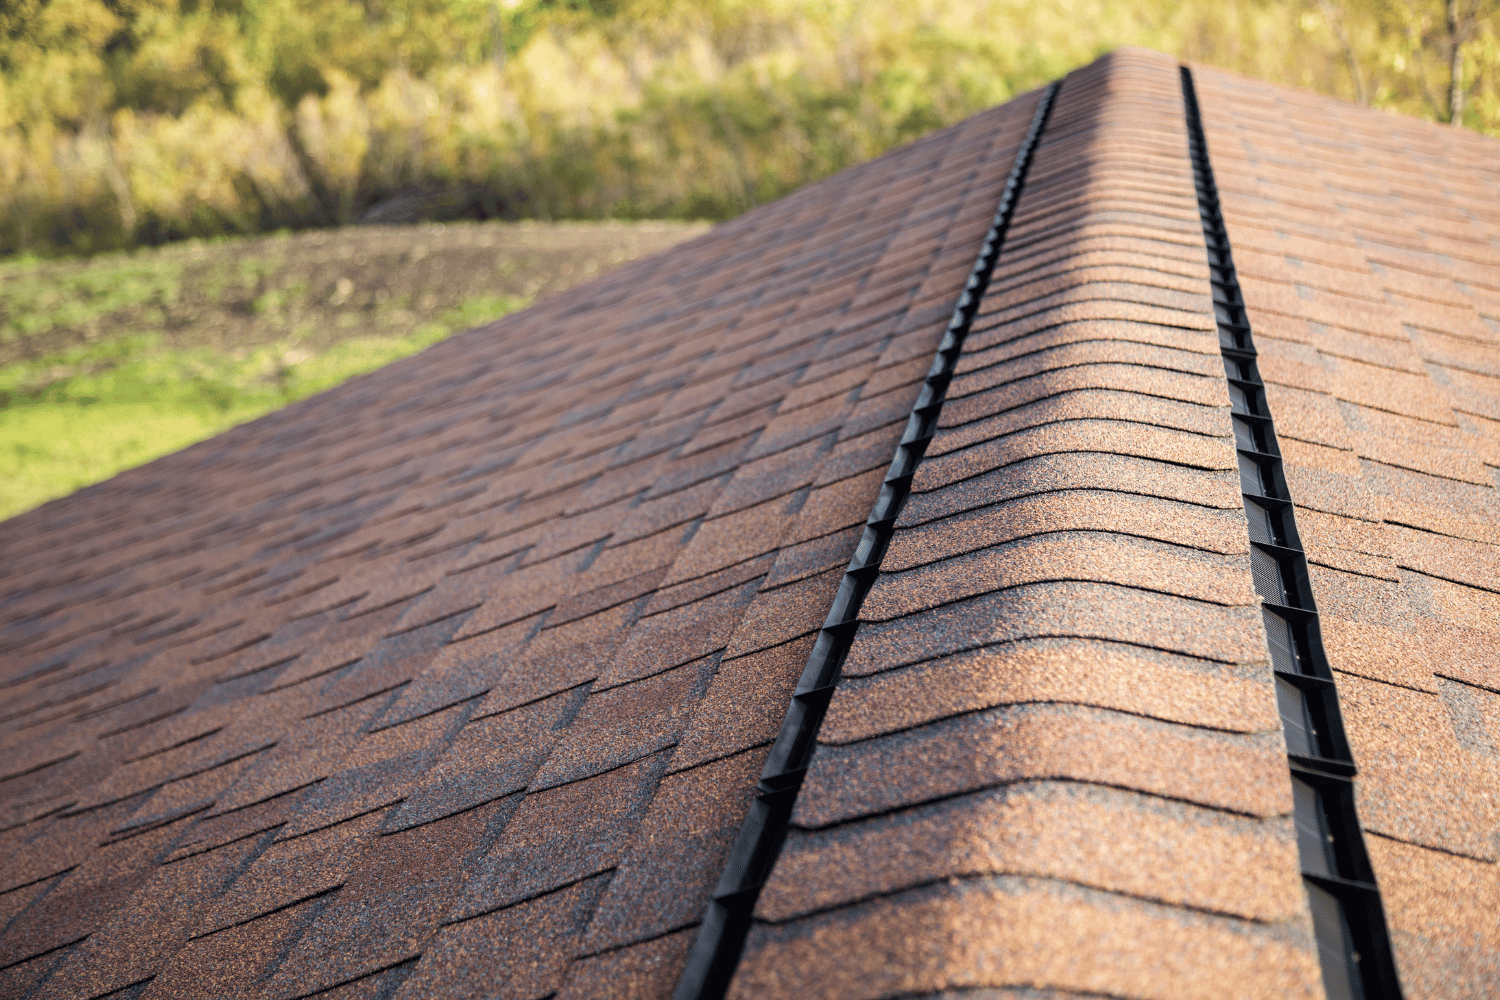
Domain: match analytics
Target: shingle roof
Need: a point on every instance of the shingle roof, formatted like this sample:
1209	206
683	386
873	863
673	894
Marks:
458	680
1369	254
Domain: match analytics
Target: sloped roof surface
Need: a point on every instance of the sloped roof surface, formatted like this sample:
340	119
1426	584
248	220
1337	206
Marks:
491	641
457	680
1369	254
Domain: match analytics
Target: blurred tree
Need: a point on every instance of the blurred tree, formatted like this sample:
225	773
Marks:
127	120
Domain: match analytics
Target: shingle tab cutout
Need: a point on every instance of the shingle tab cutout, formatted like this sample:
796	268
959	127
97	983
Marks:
457	680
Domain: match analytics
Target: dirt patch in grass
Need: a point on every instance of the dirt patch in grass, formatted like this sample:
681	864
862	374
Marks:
316	288
109	362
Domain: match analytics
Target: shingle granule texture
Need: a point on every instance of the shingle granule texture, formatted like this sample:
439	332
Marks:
1055	760
456	681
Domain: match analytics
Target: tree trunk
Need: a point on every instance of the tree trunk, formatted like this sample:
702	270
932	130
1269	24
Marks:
1456	68
119	183
1336	22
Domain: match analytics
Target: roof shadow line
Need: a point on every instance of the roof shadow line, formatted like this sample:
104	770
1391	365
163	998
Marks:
1058	393
1062	420
925	488
914	525
1035	636
1138	588
1025	702
1044	532
1039	779
1036	352
1020	872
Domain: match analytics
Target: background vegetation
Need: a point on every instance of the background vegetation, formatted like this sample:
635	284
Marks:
138	121
113	360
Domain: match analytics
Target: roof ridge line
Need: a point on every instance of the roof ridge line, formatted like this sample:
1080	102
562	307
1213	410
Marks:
726	923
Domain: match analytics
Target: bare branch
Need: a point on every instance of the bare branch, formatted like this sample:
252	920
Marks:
1456	32
1335	20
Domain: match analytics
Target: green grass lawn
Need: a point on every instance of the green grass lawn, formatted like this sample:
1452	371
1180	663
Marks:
82	415
110	361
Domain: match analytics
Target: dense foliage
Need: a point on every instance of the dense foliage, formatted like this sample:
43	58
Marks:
127	121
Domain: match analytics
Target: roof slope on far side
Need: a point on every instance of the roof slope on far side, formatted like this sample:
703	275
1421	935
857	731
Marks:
1369	252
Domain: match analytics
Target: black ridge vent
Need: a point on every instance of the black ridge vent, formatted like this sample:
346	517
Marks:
1354	946
721	937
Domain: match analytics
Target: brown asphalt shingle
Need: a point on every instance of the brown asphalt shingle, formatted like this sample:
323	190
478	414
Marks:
457	680
370	682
